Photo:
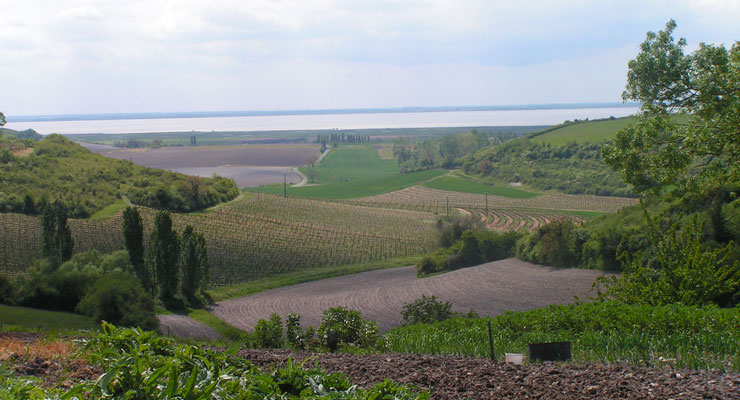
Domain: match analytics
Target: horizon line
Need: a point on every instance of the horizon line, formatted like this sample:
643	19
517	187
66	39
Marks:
259	113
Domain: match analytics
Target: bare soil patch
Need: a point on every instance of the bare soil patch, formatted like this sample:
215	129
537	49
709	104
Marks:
489	289
185	327
468	378
214	156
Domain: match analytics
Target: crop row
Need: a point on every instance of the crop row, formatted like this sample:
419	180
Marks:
433	200
249	238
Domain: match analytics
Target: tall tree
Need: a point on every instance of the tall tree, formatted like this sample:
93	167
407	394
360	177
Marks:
688	131
193	263
133	236
57	243
2	119
162	255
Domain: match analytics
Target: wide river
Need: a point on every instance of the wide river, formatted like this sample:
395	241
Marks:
328	121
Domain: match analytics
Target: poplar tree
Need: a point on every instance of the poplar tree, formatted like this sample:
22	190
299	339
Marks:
193	263
162	256
56	238
133	236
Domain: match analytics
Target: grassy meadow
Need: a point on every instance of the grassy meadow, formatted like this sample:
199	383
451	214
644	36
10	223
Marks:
584	132
29	318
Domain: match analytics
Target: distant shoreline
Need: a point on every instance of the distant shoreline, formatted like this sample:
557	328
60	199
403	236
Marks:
392	110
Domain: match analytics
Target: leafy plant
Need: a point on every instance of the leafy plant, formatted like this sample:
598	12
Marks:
269	334
426	310
340	325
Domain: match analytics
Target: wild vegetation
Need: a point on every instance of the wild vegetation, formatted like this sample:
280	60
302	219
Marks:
60	169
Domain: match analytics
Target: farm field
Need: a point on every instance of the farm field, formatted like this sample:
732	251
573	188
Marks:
454	183
355	189
255	236
349	163
249	165
433	200
489	289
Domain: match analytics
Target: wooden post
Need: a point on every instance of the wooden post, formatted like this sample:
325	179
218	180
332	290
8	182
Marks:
490	341
486	205
285	185
448	207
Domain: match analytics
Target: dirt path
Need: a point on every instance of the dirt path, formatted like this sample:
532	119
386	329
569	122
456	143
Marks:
489	289
468	378
304	178
185	327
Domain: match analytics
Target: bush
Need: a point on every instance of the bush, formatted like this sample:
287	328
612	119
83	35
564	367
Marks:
340	325
293	333
426	310
269	334
118	298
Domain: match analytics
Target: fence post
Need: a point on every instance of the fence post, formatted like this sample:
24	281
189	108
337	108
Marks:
490	341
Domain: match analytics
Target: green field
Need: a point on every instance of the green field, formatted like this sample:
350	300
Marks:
585	132
457	184
351	163
30	318
355	189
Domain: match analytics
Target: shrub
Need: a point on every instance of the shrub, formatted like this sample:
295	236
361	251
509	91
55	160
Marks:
340	325
426	310
293	333
269	334
118	298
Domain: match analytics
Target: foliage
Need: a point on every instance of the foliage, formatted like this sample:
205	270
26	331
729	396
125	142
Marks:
571	168
558	244
688	132
293	334
473	247
269	334
133	237
59	168
601	331
426	310
119	299
194	267
142	365
163	256
681	269
340	325
56	236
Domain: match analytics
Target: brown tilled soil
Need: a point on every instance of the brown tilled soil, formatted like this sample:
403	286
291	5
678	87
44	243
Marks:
467	378
185	327
214	156
489	289
52	361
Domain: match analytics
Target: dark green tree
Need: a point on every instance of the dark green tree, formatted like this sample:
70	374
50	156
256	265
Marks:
688	131
162	256
57	243
133	236
2	119
193	263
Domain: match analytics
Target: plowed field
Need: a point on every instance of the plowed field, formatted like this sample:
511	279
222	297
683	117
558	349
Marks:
489	289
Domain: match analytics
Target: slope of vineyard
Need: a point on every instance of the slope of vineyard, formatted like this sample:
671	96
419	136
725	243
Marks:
433	200
255	236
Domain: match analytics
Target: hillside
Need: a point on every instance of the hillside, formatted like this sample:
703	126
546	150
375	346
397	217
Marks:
581	132
572	168
61	169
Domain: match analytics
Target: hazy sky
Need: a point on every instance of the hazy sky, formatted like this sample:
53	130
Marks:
65	56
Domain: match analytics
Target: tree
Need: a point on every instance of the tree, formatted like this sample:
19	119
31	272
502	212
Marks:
688	130
57	243
162	256
193	263
312	174
133	236
310	160
2	119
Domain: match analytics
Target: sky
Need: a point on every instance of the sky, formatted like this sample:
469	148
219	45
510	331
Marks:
110	56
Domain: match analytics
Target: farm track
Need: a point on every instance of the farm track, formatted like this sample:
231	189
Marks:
185	327
452	378
489	289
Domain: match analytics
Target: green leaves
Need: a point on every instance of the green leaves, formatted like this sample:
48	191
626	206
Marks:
142	365
689	129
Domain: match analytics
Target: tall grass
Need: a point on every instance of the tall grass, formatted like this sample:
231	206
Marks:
679	336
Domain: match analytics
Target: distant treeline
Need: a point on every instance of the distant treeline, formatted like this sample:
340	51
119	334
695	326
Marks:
342	138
